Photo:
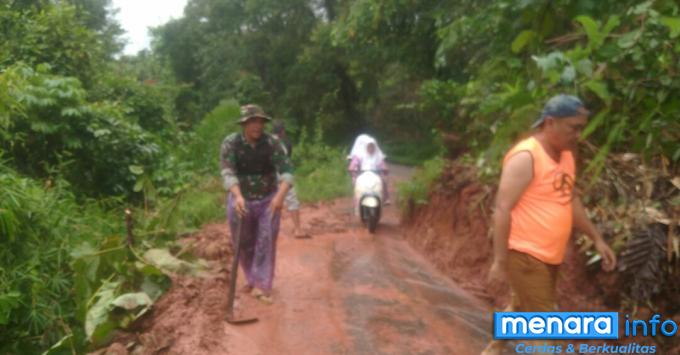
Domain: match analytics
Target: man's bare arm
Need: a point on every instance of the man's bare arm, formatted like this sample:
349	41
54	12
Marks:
516	176
583	224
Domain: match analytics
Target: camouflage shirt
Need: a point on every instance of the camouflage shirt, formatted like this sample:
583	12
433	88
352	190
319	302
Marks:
254	168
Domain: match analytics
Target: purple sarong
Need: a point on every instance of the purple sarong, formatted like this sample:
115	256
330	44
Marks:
258	240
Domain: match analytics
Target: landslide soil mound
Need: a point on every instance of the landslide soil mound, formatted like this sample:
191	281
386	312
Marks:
183	320
453	231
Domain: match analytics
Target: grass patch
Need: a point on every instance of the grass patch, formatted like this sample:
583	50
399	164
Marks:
204	204
412	153
418	188
207	137
320	170
324	181
186	212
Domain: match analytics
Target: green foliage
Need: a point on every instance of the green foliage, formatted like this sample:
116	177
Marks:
54	34
617	57
413	152
48	123
320	170
200	201
65	267
41	224
207	136
146	130
210	49
75	126
477	69
144	103
417	189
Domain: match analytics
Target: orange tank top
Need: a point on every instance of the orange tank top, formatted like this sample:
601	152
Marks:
541	221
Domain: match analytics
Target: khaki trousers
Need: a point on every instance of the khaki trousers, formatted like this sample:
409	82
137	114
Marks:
533	283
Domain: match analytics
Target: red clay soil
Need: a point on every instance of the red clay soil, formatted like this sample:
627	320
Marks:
183	320
347	292
452	231
342	292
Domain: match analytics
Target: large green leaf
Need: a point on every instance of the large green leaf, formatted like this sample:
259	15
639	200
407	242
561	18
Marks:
585	67
70	112
133	301
568	74
524	38
136	169
599	88
139	185
154	286
134	304
43	127
549	62
592	29
98	326
88	256
612	23
8	224
629	39
597	163
673	24
594	123
162	259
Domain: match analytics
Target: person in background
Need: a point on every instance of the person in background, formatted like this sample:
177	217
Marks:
258	174
292	202
537	205
366	155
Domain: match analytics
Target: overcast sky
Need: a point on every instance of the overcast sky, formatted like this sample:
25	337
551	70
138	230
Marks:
136	16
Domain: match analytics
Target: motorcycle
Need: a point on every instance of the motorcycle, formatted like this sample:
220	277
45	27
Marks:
368	197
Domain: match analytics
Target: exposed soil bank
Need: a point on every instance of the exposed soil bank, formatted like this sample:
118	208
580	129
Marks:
453	232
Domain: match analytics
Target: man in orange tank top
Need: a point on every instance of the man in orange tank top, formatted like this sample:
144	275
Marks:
536	208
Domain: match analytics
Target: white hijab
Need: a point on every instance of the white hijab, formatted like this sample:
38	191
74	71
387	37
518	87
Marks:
360	150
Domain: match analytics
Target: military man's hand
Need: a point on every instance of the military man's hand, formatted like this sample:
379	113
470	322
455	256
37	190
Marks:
240	206
608	256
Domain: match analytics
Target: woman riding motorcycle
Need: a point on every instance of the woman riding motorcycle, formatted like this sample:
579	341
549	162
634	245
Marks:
367	156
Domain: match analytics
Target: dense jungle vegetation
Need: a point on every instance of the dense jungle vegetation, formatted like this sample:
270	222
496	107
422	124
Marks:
86	132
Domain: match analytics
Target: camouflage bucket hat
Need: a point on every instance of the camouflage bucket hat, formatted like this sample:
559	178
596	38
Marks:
252	111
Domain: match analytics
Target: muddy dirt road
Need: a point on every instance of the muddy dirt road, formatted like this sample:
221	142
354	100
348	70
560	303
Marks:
341	292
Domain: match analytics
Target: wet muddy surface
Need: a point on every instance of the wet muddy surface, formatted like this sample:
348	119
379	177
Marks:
344	291
356	293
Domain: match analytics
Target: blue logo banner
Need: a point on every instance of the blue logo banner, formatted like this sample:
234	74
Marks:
556	325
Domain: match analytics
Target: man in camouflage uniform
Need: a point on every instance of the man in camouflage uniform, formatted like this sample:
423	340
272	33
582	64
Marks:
257	173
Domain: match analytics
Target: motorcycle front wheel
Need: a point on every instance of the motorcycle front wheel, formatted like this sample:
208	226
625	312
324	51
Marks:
372	220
